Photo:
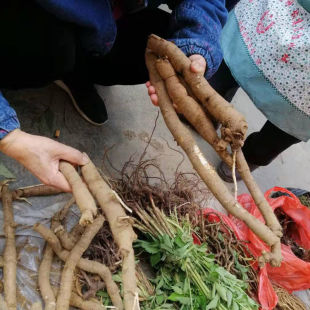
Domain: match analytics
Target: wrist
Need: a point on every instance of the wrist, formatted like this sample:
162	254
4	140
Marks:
11	139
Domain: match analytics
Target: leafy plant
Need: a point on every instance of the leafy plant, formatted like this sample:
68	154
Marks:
187	278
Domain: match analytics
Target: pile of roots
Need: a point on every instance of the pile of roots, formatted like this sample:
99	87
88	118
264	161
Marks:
88	190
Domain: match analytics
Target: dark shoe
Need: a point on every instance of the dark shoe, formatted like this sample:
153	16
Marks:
86	100
224	171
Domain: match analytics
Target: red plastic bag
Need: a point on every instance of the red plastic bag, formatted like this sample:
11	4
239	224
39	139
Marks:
266	294
294	273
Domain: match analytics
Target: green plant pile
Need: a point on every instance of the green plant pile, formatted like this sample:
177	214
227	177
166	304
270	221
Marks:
186	278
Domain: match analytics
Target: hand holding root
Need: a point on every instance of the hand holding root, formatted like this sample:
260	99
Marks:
198	65
83	197
201	165
41	156
233	123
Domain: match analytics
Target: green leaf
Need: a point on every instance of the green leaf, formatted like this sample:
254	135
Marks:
149	246
180	298
159	299
102	294
177	289
229	298
235	306
155	259
213	303
221	291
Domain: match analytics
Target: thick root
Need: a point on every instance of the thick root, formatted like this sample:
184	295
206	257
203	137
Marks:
63	299
36	306
44	279
260	200
78	302
191	109
121	228
234	124
82	196
204	169
35	190
84	264
3	305
194	113
9	254
1	262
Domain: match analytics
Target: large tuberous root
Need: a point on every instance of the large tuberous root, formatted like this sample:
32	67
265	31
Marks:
234	125
184	138
82	196
84	264
63	299
44	279
194	113
121	228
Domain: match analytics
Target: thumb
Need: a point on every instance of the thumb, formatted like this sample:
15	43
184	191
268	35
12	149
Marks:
73	156
198	64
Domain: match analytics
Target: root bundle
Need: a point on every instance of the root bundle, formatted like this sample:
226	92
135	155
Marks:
164	61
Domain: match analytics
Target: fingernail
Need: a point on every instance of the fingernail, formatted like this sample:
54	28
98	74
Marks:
85	159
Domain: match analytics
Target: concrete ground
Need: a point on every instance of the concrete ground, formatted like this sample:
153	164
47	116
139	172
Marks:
131	121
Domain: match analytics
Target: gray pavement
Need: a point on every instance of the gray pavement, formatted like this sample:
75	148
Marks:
131	121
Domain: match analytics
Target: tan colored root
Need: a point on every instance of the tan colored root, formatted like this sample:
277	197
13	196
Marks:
205	170
84	264
63	213
191	109
44	279
35	190
36	306
82	196
9	254
68	240
234	124
260	200
3	305
196	116
287	301
1	262
121	228
78	302
63	299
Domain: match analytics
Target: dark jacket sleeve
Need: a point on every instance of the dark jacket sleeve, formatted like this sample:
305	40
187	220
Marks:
196	28
8	118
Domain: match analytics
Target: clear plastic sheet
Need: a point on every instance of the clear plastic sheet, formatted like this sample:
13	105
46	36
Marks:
30	245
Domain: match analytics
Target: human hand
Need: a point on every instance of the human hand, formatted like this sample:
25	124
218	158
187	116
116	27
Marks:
41	156
198	65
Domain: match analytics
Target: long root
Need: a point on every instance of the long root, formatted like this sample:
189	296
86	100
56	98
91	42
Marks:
44	279
121	228
204	169
72	260
35	190
84	264
9	254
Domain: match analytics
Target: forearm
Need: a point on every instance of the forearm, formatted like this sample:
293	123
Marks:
196	28
8	118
